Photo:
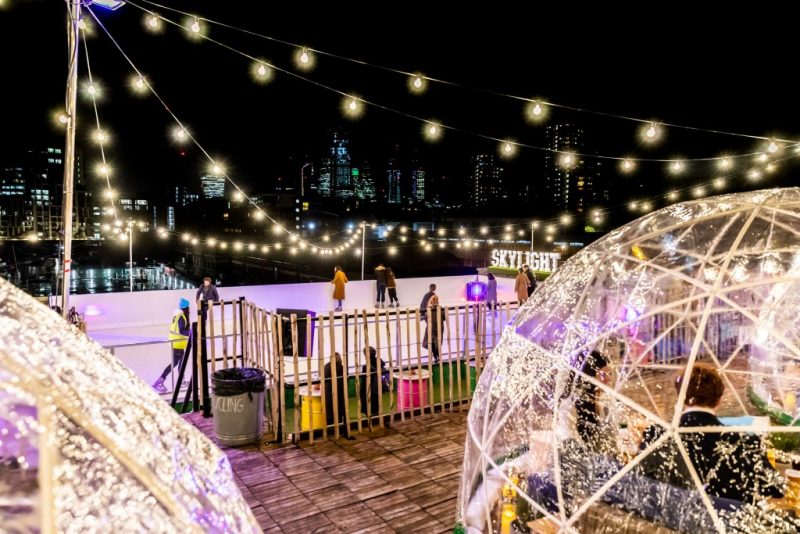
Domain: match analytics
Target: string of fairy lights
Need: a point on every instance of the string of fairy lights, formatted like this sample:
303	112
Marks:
765	159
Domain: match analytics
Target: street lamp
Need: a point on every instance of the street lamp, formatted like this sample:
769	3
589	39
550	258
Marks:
534	226
130	253
363	244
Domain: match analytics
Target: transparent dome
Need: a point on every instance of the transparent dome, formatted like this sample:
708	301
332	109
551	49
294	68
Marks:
85	446
650	384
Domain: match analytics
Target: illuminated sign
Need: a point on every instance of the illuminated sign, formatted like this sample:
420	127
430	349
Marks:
514	259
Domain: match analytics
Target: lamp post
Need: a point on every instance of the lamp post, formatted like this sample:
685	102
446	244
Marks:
130	253
534	226
73	34
363	245
303	181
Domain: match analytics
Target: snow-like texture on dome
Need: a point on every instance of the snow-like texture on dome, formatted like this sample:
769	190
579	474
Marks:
580	420
85	446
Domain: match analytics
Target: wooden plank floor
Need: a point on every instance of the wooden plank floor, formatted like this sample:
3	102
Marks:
399	479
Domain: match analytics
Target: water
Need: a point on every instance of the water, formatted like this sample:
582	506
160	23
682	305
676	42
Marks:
40	281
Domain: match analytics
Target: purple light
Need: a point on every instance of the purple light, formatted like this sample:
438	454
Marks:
476	291
91	311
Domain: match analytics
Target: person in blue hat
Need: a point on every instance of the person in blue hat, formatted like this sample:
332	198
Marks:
179	335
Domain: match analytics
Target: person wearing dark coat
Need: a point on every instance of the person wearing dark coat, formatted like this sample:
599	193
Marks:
380	280
531	280
341	395
436	322
730	465
207	291
371	400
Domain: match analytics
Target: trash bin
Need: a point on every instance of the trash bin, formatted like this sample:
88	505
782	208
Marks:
237	398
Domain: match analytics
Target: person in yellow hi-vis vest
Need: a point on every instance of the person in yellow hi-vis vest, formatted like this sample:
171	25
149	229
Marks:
179	335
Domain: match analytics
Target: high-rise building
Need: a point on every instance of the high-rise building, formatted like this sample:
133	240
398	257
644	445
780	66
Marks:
393	181
577	186
31	195
342	173
324	181
417	183
213	186
367	183
486	185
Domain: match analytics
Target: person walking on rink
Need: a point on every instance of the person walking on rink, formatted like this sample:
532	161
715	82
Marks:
380	279
179	332
339	280
521	286
391	283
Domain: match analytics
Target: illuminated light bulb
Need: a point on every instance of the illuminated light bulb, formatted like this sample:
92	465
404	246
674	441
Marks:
194	241
535	111
633	206
458	245
100	137
628	165
650	132
223	246
507	237
428	248
508	228
416	83
186	237
441	245
566	219
261	71
646	206
293	238
770	168
106	227
725	163
81	23
109	194
568	159
103	169
392	251
138	84
403	239
484	230
264	249
672	195
507	149
754	175
677	166
217	169
238	196
762	158
521	233
278	246
432	131
699	192
326	238
195	27
91	89
423	231
211	241
773	147
304	59
258	215
62	118
352	107
180	134
237	246
719	183
440	231
153	22
251	247
303	245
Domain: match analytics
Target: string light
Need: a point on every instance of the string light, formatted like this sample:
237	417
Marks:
304	59
719	183
109	194
725	163
194	26
100	137
352	107
216	169
507	149
261	71
422	231
138	84
699	192
536	111
770	168
238	196
92	90
566	219
258	215
432	131
646	206
754	175
567	160
773	147
651	132
416	84
152	23
761	158
62	118
180	134
677	167
484	230
627	165
392	250
103	169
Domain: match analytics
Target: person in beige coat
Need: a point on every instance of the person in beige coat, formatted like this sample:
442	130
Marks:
521	286
339	280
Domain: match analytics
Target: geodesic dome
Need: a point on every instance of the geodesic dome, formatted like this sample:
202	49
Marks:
712	282
85	446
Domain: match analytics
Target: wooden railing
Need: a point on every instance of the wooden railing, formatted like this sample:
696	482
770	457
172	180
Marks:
295	349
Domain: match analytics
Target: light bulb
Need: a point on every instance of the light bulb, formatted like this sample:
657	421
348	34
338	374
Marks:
195	27
677	166
537	109
651	131
91	89
304	57
772	148
353	105
180	134
152	22
725	163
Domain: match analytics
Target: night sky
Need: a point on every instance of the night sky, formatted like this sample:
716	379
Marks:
722	70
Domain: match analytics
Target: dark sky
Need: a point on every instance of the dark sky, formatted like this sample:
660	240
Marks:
724	68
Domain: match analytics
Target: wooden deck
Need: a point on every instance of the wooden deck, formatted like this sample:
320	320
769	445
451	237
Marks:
399	479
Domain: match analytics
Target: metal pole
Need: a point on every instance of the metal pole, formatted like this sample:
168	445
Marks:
74	11
363	242
130	254
532	230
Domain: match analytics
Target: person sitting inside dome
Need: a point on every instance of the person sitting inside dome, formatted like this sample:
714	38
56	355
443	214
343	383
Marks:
730	465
